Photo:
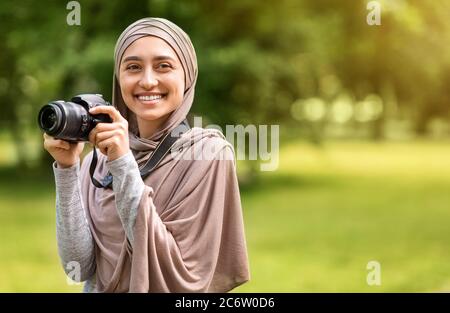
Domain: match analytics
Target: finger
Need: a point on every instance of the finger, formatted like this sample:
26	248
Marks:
47	137
107	134
93	135
56	144
106	144
105	127
100	127
107	109
103	150
51	142
62	144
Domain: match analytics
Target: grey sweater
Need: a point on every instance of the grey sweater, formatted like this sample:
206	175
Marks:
76	245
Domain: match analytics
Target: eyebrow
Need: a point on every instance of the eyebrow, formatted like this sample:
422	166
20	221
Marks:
157	58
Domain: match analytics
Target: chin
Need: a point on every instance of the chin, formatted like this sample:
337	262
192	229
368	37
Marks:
152	116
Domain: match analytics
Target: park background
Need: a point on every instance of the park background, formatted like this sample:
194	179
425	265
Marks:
364	168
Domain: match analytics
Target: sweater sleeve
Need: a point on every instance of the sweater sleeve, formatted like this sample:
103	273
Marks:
75	241
128	187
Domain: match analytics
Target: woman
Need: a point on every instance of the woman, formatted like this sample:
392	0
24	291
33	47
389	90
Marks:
180	229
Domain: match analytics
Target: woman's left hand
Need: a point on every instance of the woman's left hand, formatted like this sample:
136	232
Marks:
110	138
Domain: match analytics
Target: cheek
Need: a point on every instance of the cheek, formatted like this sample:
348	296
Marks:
175	80
126	86
177	84
178	93
125	81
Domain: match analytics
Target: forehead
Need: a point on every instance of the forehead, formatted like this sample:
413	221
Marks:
150	47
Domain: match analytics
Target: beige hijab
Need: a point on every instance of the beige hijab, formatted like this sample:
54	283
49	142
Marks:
189	232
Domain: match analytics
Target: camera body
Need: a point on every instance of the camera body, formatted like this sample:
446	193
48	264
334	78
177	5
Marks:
71	120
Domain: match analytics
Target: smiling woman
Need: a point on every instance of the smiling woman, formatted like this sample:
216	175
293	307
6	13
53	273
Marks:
151	82
179	229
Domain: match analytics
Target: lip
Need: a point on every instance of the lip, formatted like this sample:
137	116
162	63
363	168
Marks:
150	94
150	102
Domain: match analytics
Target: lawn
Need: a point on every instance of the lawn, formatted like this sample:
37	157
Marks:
313	225
28	253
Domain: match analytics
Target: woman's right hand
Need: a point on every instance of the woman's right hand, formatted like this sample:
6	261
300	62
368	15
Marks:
66	154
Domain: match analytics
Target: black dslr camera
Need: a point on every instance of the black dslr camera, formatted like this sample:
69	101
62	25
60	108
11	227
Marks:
71	121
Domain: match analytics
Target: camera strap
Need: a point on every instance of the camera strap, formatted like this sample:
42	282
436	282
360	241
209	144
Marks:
160	152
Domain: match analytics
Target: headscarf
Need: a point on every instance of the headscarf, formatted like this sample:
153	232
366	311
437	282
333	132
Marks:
189	231
181	44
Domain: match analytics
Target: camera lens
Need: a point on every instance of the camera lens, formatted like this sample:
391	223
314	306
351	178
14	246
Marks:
70	120
50	118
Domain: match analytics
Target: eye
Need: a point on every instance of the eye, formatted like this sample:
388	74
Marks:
164	66
132	67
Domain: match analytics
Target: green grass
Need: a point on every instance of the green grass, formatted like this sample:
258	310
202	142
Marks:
311	226
28	253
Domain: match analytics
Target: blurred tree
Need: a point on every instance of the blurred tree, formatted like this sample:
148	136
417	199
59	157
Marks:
256	59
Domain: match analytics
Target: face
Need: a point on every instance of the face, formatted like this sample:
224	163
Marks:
151	80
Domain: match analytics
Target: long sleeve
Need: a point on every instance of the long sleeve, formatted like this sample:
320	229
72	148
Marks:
75	242
128	187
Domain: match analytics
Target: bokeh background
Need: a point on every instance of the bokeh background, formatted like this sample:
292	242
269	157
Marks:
364	169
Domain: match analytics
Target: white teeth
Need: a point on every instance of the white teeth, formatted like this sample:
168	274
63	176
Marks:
150	98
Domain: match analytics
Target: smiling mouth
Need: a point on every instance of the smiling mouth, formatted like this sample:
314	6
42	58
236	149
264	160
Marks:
151	98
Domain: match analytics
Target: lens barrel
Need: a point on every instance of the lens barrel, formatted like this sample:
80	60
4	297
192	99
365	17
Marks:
65	120
51	119
71	120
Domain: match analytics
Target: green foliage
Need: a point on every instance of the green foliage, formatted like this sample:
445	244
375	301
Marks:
256	59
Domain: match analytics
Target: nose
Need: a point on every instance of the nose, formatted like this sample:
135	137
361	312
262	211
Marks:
148	80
